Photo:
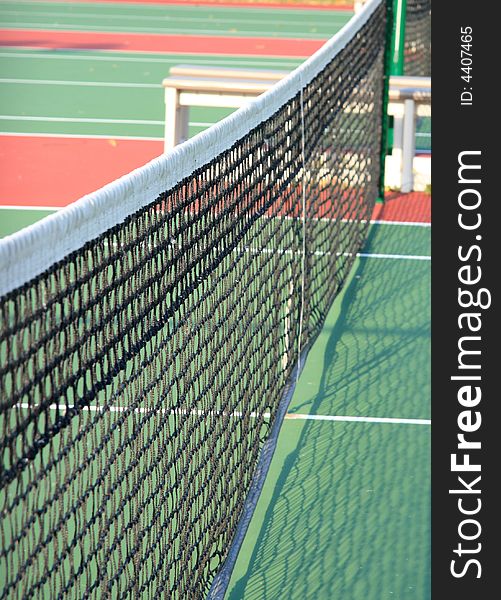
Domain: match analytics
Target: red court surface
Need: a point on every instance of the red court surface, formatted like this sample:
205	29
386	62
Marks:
414	207
178	44
52	171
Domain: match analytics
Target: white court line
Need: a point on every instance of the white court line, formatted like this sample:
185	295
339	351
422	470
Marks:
371	221
253	415
146	59
401	223
161	30
15	207
168	19
79	120
346	419
43	119
393	256
116	84
328	253
318	253
238	58
85	137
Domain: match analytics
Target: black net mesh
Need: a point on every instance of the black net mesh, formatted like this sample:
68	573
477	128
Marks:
417	47
140	375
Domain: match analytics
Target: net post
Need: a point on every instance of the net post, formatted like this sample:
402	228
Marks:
386	88
398	37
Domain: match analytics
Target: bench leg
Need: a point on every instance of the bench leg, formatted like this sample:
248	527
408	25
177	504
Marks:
183	121
176	120
409	146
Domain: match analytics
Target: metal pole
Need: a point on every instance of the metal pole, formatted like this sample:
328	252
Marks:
397	55
386	88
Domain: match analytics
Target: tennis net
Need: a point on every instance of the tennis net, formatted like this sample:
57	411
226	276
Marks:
151	333
417	46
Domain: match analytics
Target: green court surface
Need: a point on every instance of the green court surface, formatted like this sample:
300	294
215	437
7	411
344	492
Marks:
14	219
344	514
95	93
345	509
148	18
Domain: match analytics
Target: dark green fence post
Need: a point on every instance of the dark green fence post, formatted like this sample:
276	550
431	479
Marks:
398	41
386	86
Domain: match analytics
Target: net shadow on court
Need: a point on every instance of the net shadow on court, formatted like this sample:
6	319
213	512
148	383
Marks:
348	512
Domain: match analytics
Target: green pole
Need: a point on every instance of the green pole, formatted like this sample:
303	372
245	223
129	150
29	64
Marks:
386	86
397	51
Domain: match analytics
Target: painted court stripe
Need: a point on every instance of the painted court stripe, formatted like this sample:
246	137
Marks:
34	26
165	19
89	120
87	136
18	207
147	59
79	120
254	250
116	84
275	250
394	256
402	223
236	414
300	417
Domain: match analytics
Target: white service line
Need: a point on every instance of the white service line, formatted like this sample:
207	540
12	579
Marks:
93	120
288	251
394	256
160	30
298	58
86	137
167	19
117	84
402	223
371	221
236	414
15	207
302	417
79	120
246	249
147	59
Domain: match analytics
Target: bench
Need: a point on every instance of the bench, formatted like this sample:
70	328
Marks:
228	87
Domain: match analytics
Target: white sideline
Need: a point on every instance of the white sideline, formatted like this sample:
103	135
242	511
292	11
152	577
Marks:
402	223
117	84
14	207
236	414
349	419
79	120
81	136
155	30
336	18
394	256
92	120
273	62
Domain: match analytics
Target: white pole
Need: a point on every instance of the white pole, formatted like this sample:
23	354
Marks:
409	146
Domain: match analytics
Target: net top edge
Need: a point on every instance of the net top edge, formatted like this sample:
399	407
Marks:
29	252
